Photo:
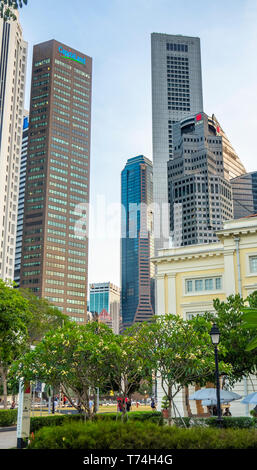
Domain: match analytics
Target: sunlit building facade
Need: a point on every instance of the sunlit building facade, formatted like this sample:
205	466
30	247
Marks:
55	238
13	62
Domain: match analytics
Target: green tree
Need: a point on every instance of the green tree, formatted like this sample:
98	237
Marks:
74	357
8	7
179	351
249	318
44	316
234	336
15	316
127	369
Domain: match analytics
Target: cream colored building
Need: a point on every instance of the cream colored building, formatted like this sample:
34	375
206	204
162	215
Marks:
13	60
189	278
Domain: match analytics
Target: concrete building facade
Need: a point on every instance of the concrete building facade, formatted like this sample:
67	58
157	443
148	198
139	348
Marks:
189	278
200	194
176	93
13	61
55	238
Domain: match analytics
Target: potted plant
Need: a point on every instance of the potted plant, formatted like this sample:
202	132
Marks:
165	406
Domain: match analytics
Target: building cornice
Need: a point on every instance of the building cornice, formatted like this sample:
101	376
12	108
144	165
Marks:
184	255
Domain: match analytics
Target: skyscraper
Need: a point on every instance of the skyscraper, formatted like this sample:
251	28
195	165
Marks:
176	93
19	229
13	60
137	244
55	243
244	189
200	193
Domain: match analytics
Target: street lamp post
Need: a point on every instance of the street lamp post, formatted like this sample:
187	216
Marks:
215	338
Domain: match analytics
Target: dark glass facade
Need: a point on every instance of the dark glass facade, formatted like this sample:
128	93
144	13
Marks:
19	232
244	190
137	292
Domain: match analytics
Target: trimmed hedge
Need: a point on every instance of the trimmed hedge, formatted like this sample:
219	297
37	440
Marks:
38	422
243	422
8	417
138	435
149	416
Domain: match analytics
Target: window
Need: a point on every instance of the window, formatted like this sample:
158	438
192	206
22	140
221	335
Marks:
253	264
204	285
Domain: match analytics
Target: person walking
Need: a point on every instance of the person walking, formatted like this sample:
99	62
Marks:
128	404
153	406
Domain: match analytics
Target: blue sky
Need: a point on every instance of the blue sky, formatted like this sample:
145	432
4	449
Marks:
116	34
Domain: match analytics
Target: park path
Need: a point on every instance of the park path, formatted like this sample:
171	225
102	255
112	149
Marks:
8	438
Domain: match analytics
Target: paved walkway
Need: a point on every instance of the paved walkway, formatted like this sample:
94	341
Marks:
8	438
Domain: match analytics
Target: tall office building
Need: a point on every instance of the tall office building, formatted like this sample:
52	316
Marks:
244	189
19	228
137	244
176	93
200	193
55	243
105	304
13	60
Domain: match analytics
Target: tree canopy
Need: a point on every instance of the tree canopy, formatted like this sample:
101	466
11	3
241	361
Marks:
8	7
179	351
234	336
74	357
24	320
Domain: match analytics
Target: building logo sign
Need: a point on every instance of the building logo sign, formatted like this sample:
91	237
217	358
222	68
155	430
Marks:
72	56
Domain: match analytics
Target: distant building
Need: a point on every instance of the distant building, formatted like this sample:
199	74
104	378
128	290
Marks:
189	278
137	244
104	304
23	166
244	189
199	188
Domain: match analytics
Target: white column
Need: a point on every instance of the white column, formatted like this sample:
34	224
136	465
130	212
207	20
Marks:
172	307
229	273
160	295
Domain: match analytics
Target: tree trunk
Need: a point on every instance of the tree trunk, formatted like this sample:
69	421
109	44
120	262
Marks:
4	381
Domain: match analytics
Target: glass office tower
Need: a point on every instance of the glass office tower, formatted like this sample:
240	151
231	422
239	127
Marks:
244	189
137	244
23	167
176	93
55	238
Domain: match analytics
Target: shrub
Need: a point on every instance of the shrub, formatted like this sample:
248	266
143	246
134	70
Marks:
242	422
8	417
153	417
137	435
37	422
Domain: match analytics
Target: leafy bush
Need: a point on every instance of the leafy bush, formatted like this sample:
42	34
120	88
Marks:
137	435
228	422
8	417
153	417
242	422
37	422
